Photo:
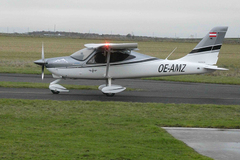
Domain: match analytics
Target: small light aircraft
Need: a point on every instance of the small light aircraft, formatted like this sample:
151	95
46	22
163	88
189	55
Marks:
120	60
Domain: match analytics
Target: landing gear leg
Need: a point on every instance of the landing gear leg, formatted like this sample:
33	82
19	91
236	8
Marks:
57	88
109	89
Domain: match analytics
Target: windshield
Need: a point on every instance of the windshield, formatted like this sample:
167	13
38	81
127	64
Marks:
116	56
82	54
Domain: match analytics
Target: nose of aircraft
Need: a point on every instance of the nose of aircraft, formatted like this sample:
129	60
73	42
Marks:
40	62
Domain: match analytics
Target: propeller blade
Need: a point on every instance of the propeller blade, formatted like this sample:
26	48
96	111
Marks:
43	59
42	72
43	52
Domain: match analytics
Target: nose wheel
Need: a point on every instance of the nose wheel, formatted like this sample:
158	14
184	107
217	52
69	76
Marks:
57	88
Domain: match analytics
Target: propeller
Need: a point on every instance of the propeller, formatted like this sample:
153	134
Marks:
43	60
42	72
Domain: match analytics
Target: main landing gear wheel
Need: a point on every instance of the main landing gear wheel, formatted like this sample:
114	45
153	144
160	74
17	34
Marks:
109	94
55	92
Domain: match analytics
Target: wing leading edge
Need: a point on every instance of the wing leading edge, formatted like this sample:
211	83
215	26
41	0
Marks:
130	46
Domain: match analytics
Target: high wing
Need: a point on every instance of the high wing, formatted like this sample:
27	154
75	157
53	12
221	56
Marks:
130	46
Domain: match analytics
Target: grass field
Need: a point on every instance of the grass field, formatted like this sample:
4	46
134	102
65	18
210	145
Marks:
18	53
38	129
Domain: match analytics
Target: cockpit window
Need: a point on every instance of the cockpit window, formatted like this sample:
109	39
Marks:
116	56
82	54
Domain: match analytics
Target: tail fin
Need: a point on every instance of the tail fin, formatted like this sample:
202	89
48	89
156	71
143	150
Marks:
208	48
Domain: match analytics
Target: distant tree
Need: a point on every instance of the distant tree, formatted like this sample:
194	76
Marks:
129	35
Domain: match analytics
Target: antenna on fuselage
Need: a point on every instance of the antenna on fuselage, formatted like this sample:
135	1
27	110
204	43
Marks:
170	53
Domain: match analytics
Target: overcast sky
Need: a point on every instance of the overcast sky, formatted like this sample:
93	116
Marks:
159	18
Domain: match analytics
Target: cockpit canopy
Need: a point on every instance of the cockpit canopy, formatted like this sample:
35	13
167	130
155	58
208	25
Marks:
116	56
100	56
82	54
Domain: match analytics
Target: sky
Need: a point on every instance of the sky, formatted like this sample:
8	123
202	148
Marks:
158	18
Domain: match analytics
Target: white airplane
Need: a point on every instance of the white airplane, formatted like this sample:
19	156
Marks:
120	60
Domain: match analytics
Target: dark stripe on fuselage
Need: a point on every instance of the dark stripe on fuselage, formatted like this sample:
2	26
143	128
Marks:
101	65
146	60
205	49
217	47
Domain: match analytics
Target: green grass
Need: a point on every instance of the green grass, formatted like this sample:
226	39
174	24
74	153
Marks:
40	129
18	53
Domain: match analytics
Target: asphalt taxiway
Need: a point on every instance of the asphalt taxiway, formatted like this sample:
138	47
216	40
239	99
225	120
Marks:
145	91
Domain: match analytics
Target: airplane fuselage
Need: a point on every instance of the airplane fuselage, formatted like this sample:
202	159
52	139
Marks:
149	68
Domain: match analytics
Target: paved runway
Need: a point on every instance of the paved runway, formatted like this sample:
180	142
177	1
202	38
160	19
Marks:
150	91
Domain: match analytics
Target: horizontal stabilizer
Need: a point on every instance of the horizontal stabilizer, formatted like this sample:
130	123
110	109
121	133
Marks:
215	68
